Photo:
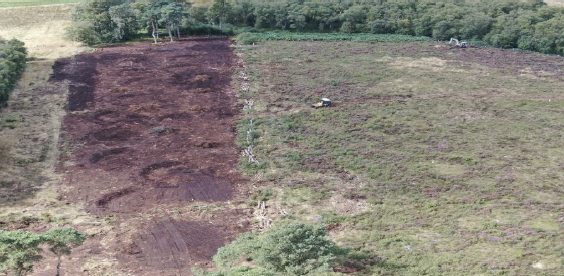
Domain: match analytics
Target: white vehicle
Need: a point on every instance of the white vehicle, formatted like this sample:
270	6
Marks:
325	102
462	44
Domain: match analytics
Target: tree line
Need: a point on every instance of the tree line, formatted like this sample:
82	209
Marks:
13	56
528	26
110	21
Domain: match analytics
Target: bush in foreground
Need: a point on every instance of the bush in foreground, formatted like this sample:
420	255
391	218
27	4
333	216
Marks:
13	57
286	249
20	250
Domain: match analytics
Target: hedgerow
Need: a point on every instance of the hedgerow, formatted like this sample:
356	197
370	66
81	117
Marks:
12	64
293	36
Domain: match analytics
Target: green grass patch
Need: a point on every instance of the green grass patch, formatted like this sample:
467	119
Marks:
296	36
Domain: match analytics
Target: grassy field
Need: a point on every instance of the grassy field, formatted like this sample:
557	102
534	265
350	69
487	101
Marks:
24	3
555	2
42	28
436	160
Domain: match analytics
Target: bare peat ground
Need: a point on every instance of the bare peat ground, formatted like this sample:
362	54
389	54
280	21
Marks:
149	145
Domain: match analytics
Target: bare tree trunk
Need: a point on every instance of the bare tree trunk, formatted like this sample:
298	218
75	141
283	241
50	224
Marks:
155	32
168	28
178	31
58	266
157	24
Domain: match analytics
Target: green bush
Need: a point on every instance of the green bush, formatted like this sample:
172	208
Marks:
293	36
286	249
247	39
19	250
13	56
549	36
84	32
379	27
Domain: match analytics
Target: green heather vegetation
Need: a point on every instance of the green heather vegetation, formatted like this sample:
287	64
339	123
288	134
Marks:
438	161
12	64
295	36
528	26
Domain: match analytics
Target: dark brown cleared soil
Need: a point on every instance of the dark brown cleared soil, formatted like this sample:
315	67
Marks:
152	127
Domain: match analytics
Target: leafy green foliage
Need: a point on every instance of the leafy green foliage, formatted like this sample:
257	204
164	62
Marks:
219	12
286	249
62	240
109	21
297	249
19	250
124	18
13	56
93	23
528	26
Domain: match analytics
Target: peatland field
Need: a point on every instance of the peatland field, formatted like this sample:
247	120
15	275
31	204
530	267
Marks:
432	160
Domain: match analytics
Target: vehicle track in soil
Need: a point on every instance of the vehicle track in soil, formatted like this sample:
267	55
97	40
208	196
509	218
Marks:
153	127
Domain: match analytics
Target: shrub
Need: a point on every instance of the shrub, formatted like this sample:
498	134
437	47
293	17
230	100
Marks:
247	38
288	248
348	27
379	27
549	36
19	250
13	57
84	32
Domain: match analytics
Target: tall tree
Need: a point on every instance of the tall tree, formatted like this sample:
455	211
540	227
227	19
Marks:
219	12
61	241
150	13
171	16
125	19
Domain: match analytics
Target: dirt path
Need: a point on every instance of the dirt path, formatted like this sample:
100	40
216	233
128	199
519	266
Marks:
150	140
